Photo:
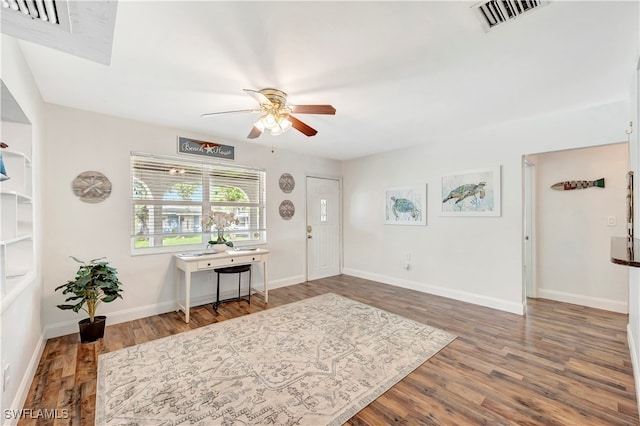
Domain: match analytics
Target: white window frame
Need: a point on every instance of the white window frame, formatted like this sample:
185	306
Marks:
207	170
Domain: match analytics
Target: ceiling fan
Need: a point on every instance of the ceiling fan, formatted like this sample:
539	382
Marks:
277	116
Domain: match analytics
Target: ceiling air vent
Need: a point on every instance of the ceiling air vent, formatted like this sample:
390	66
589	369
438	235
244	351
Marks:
495	12
50	12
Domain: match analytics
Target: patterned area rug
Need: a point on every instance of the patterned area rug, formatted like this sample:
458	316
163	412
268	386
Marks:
314	362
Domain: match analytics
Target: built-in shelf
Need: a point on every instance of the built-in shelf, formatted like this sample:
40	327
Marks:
625	252
17	204
17	254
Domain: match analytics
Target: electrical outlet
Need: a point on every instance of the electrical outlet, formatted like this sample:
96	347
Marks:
210	276
6	378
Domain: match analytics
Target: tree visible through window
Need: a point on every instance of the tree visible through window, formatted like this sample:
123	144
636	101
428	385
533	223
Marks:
170	195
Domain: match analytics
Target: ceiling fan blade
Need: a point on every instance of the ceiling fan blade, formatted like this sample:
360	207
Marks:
229	112
254	133
302	127
313	109
262	99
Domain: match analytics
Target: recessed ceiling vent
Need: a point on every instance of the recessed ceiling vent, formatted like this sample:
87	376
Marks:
50	12
495	12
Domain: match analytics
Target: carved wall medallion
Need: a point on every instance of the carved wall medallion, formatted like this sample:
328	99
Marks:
287	183
286	209
91	187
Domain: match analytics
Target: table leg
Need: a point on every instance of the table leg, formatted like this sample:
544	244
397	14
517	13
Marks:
266	283
178	279
187	300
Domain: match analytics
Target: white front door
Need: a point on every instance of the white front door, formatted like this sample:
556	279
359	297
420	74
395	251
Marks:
323	228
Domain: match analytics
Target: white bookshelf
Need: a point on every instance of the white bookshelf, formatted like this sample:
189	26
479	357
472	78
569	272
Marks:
17	253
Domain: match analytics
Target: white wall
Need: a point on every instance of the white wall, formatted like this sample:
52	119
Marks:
573	234
467	258
22	340
78	141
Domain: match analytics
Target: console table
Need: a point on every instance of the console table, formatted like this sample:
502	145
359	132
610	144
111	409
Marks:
189	263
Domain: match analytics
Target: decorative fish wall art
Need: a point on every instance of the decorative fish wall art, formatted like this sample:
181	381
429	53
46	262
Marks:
578	184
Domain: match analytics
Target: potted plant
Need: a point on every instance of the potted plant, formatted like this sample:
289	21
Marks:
220	221
95	282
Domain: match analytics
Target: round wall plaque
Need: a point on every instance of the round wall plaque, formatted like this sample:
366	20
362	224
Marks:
286	209
91	187
287	183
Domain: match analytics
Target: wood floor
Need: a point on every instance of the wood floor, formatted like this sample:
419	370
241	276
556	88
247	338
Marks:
560	364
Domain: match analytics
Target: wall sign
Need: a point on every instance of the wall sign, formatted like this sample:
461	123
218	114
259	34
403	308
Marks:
208	149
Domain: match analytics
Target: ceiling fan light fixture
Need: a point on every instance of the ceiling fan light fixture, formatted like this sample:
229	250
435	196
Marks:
275	123
269	121
284	124
277	116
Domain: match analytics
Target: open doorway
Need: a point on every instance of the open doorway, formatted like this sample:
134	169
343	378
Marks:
566	233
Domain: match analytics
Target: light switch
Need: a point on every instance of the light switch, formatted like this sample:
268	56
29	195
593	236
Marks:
611	221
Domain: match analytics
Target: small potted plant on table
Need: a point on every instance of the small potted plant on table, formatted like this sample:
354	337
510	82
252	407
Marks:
220	221
95	282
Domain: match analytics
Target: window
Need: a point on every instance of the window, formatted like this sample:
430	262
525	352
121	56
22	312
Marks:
323	210
170	195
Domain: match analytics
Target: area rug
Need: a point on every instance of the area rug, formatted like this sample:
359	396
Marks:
314	362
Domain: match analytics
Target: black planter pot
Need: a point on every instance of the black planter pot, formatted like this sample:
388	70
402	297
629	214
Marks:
90	332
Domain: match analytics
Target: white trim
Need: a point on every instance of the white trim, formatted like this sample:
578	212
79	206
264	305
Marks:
285	282
70	327
578	299
463	296
27	379
634	362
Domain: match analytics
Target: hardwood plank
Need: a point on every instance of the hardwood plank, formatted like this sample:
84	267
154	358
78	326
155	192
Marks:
560	364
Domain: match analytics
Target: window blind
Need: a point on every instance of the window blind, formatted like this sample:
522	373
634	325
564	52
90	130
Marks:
171	195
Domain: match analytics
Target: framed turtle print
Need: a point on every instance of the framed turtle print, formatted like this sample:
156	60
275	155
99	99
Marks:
472	193
406	205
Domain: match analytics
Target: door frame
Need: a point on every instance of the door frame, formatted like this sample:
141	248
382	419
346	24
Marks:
529	284
306	220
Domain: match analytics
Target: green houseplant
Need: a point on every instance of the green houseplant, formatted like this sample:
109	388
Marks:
95	282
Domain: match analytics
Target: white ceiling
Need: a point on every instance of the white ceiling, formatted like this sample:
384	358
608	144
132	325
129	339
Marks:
398	73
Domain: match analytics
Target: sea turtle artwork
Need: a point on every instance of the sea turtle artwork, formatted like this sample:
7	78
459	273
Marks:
578	184
402	205
465	191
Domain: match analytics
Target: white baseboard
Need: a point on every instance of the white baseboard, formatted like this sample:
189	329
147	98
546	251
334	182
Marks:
70	327
25	383
297	279
578	299
634	363
463	296
117	317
